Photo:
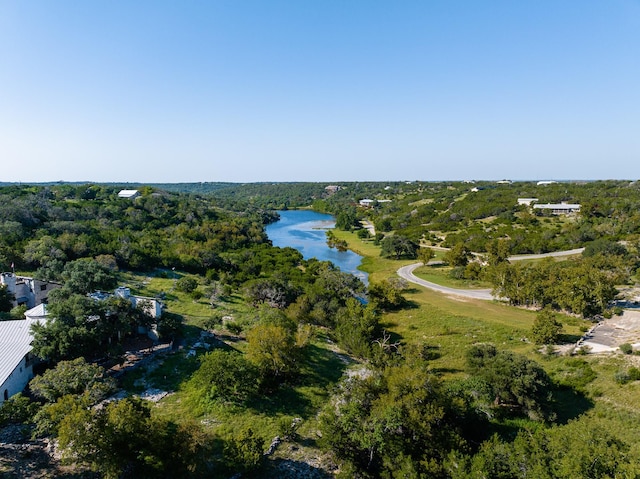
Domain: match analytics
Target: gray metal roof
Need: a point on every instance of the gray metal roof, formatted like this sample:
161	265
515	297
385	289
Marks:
15	342
557	206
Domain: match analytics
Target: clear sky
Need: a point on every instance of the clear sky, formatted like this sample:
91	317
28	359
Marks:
319	90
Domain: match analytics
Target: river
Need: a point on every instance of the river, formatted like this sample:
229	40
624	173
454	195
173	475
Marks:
305	230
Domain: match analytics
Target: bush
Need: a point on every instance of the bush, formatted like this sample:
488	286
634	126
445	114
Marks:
244	451
626	348
546	328
225	376
233	327
187	284
18	409
457	272
364	234
622	377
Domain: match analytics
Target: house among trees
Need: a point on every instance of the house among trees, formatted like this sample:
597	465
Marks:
26	291
129	194
558	208
527	201
16	360
150	306
367	203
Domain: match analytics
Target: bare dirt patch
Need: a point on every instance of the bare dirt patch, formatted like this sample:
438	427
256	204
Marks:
609	334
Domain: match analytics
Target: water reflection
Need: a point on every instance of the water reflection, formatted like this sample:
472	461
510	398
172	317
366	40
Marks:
305	231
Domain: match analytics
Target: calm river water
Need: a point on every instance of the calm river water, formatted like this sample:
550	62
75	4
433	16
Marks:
304	230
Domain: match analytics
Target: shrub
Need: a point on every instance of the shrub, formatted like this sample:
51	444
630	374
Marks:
244	451
621	377
626	348
634	374
18	409
187	284
546	328
233	327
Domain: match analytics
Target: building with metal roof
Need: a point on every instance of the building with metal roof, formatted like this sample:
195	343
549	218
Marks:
130	194
558	208
16	361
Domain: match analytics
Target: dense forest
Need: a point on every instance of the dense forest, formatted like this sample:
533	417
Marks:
287	347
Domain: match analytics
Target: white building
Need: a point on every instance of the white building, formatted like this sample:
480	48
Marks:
559	208
27	291
129	194
151	306
527	201
366	202
546	182
16	361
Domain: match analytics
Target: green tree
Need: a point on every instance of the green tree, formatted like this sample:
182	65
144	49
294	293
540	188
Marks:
272	349
187	284
498	251
73	328
399	421
75	377
516	383
226	377
425	255
123	440
386	295
244	451
458	255
357	327
347	219
6	300
17	409
546	329
42	250
398	247
86	275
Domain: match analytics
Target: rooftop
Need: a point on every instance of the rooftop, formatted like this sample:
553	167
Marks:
15	342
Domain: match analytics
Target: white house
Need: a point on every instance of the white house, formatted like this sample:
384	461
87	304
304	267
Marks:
366	202
151	306
129	194
27	291
527	201
16	361
546	182
559	208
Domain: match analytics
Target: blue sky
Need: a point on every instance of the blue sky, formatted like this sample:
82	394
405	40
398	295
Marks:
243	91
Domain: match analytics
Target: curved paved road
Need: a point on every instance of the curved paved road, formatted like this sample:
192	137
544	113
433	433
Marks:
555	254
406	272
